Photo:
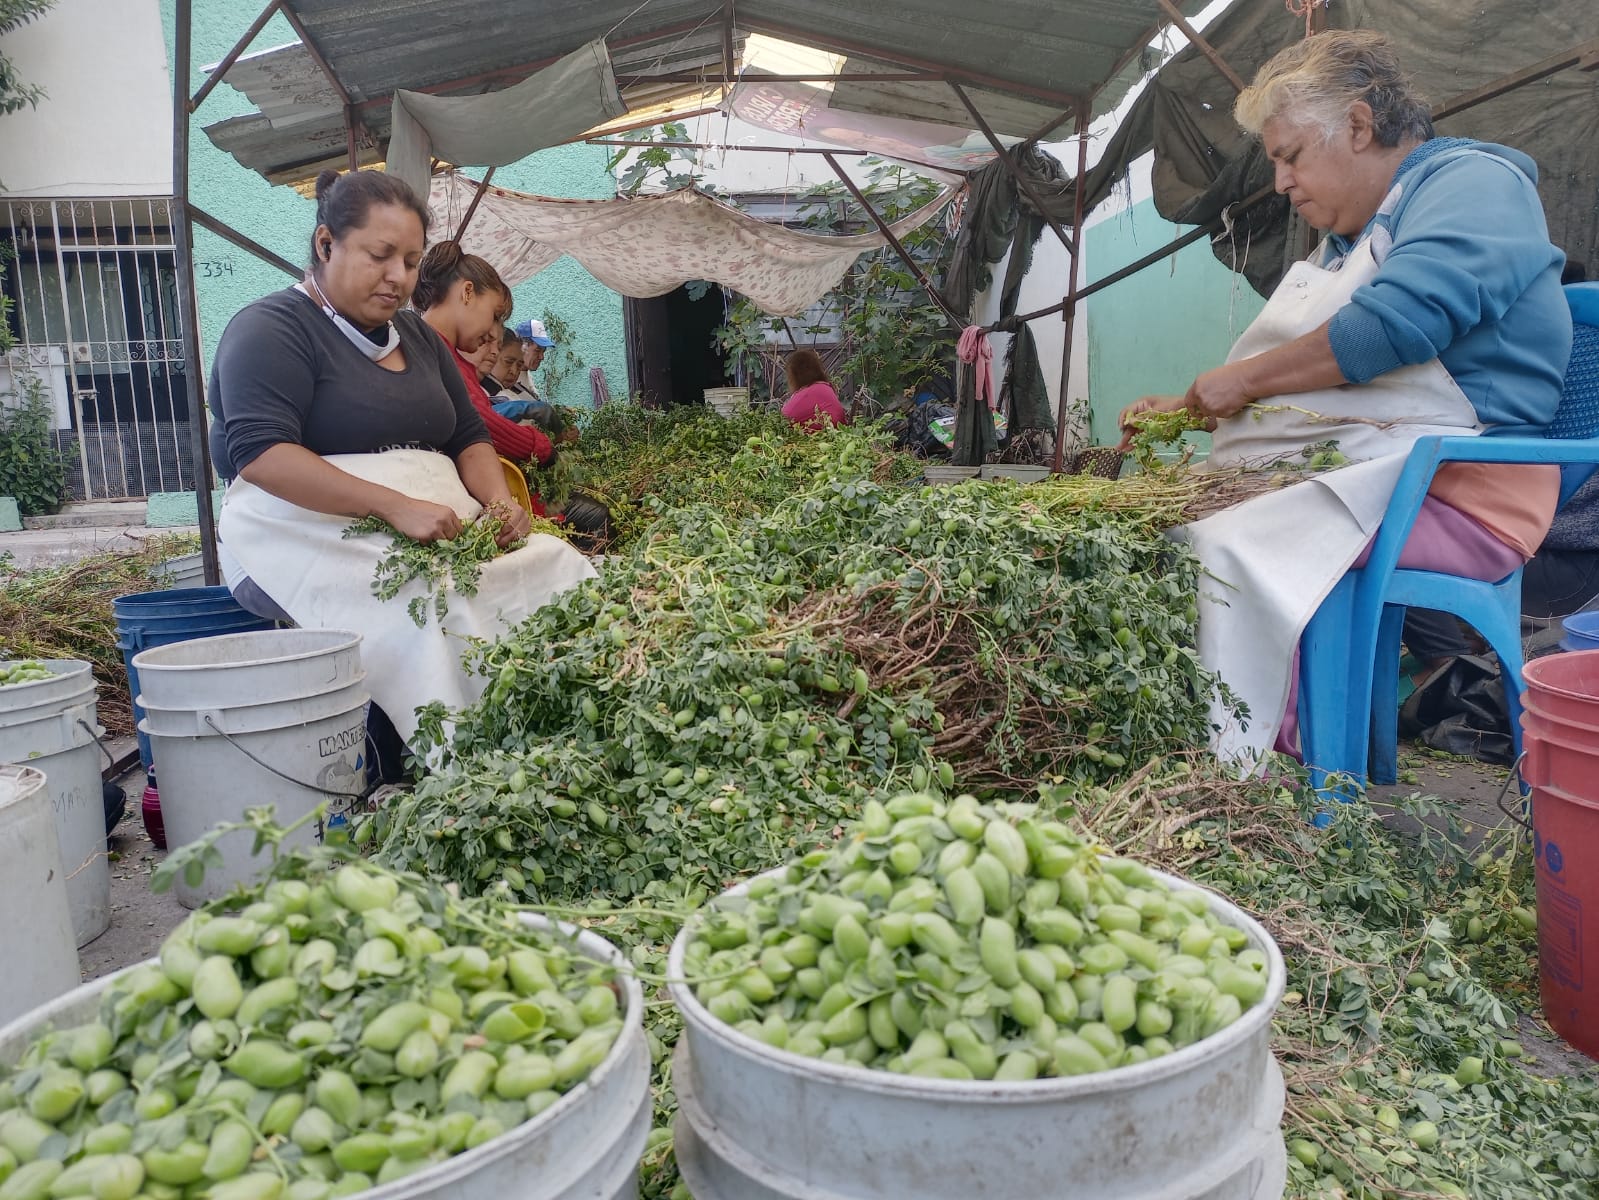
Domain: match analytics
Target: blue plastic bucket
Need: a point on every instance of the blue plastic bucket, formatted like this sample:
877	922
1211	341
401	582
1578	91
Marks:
1582	631
149	619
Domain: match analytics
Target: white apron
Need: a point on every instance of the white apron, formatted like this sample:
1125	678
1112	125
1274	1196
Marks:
302	560
1271	561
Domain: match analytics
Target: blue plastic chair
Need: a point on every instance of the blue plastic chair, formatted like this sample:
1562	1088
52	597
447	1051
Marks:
1348	697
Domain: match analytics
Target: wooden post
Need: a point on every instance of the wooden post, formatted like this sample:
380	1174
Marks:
899	247
477	198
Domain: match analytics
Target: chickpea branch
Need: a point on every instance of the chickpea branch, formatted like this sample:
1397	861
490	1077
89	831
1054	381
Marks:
442	566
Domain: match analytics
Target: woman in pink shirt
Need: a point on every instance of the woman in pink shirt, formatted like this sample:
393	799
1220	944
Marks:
812	403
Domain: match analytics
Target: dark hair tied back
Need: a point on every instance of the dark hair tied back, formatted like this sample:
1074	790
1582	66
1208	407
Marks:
345	202
446	262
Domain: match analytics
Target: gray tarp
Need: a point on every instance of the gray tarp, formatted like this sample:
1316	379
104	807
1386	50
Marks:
553	106
1204	162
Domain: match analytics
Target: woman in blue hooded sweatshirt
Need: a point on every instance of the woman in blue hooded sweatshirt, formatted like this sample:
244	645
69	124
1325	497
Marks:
1432	306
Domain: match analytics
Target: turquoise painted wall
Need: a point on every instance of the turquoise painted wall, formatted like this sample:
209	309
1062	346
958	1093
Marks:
1153	332
279	218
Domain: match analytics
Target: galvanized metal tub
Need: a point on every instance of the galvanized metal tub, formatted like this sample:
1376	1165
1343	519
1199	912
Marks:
756	1123
586	1146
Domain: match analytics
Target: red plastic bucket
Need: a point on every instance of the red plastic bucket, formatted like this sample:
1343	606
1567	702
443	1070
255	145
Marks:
1560	728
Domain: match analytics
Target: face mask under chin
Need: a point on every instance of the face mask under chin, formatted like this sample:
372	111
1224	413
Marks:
376	351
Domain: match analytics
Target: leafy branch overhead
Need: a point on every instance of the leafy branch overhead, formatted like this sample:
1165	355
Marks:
16	94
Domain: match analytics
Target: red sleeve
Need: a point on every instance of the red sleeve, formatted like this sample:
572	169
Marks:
520	443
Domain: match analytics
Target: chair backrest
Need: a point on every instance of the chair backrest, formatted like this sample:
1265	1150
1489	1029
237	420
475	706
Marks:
1578	414
517	483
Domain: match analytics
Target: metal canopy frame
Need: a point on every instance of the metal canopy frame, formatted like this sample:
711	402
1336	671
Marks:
914	70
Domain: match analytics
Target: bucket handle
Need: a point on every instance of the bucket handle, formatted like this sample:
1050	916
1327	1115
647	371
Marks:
99	741
268	767
1514	814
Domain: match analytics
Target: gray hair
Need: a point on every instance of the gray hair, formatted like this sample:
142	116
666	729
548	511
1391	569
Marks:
1316	82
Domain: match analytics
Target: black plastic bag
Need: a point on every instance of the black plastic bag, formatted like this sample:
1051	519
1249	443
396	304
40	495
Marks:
1461	710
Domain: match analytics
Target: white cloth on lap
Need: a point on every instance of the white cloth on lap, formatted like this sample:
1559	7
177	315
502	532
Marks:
322	579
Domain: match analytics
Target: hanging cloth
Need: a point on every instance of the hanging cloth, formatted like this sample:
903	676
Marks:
974	348
650	245
548	108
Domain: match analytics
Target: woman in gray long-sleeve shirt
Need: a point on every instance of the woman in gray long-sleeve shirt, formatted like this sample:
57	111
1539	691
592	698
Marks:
332	366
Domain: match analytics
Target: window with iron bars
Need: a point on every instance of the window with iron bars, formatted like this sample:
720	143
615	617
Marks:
94	311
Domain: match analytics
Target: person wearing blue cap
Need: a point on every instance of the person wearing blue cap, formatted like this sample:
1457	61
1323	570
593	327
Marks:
520	399
535	341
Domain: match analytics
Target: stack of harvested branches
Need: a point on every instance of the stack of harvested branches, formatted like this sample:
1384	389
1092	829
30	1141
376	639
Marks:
1166	496
65	612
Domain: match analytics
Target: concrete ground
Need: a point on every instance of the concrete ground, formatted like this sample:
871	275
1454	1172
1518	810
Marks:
80	530
140	918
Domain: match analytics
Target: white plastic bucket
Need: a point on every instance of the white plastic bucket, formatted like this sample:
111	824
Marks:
275	718
756	1123
727	400
50	725
585	1146
1020	472
40	952
945	474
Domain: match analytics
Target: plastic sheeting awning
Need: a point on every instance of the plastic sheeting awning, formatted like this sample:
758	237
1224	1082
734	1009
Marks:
545	109
650	245
1019	59
1204	161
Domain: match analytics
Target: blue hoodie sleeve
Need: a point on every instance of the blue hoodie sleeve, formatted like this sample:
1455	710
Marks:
1466	245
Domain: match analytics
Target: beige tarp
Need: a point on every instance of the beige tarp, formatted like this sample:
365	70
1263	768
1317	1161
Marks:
650	245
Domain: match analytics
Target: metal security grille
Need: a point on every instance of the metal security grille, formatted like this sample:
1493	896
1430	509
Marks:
95	313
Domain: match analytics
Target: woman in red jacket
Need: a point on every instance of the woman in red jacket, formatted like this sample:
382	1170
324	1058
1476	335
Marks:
466	302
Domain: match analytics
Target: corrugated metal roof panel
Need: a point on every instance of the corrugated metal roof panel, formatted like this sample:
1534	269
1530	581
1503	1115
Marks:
937	104
1059	47
1023	59
286	85
376	46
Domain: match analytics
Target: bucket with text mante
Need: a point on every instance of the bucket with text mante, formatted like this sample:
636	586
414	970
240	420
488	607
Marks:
250	720
1560	736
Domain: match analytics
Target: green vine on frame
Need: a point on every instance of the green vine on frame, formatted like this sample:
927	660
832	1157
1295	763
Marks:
561	362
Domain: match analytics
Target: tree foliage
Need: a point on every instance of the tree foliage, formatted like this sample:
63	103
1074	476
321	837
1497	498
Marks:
14	92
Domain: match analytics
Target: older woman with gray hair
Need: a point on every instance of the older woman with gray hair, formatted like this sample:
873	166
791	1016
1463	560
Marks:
1433	306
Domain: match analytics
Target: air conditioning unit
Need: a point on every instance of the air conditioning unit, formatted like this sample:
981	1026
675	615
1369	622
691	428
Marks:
81	352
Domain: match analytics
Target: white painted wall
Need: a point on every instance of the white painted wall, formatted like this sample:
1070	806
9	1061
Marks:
104	127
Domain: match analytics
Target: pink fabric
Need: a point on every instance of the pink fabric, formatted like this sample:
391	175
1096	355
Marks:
974	348
1444	540
814	407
